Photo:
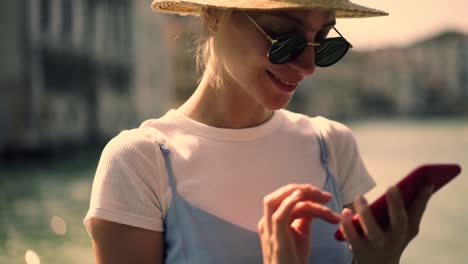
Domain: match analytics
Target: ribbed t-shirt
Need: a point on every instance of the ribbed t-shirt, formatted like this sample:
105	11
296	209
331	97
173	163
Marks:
225	172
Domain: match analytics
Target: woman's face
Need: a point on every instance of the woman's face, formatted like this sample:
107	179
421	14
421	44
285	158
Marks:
243	50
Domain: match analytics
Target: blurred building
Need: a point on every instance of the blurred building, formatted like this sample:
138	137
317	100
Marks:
79	71
425	79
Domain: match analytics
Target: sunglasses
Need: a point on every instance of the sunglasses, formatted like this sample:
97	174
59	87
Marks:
288	47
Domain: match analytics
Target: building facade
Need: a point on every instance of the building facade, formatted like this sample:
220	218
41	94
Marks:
79	71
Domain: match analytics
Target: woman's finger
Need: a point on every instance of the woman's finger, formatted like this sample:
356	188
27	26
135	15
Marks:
272	201
302	225
307	209
265	240
280	218
349	231
261	225
397	212
372	230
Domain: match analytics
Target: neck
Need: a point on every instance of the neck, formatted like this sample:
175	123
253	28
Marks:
226	107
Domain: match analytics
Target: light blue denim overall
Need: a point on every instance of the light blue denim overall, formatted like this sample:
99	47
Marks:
192	235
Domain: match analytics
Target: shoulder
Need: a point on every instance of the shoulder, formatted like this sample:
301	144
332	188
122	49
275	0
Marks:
296	119
334	131
150	132
298	123
141	141
133	140
330	129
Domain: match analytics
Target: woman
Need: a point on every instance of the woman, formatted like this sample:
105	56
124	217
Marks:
232	177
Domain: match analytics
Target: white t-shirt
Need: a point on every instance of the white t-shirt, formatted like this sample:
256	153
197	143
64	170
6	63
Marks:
225	172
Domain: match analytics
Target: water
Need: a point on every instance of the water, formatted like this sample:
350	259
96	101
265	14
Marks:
42	208
392	149
42	211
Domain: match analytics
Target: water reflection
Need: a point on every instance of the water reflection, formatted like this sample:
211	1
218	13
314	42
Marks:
42	208
58	225
31	257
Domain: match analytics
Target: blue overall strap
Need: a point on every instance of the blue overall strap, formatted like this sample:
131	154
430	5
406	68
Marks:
324	153
324	158
165	151
174	204
338	252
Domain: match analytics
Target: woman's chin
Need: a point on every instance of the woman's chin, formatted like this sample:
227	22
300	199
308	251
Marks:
277	102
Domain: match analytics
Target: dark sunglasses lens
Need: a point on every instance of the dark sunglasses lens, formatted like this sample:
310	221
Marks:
330	51
286	49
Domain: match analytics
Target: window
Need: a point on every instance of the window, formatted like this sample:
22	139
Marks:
67	17
44	15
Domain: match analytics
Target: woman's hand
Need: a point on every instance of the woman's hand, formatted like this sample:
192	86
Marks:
284	228
384	246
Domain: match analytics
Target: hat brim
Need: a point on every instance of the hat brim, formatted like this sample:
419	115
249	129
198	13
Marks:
342	8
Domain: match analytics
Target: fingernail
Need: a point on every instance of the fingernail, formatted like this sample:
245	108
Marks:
347	213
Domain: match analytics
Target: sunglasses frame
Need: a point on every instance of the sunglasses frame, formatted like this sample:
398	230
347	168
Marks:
314	44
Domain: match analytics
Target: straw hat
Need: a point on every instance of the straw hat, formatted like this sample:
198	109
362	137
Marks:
343	8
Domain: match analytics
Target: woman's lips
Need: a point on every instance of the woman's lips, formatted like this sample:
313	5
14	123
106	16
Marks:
282	84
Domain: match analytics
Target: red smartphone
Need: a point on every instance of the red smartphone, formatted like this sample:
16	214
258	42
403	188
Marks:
430	174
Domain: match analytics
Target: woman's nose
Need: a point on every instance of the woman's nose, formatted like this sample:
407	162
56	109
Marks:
305	62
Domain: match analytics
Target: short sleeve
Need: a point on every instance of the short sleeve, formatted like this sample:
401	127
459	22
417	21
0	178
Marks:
125	188
352	175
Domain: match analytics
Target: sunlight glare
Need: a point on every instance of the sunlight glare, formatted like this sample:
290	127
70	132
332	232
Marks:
58	225
31	257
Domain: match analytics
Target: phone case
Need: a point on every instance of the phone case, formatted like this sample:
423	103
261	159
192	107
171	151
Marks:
435	174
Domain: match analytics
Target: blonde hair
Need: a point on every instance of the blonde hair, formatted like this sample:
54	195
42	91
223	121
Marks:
208	59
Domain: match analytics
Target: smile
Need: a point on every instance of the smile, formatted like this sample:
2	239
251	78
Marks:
292	84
